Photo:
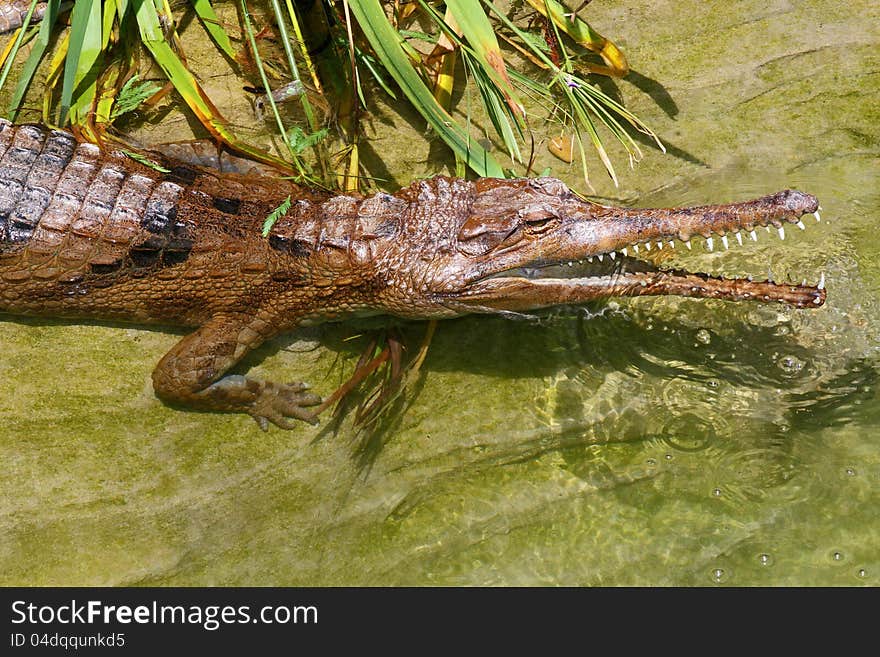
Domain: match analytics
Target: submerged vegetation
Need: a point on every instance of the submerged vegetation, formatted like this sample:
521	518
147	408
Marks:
323	54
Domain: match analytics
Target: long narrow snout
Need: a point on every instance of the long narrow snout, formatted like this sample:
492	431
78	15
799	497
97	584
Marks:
615	229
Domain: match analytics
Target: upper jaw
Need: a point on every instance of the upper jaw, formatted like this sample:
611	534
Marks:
609	229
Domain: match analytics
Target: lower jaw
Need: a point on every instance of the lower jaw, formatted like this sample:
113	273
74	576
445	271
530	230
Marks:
517	293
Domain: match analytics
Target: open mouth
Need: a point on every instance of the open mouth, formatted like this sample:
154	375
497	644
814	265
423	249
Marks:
620	272
628	276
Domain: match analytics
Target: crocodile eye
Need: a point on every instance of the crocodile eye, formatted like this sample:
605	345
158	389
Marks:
538	224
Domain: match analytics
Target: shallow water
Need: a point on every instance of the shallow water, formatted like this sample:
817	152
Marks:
648	441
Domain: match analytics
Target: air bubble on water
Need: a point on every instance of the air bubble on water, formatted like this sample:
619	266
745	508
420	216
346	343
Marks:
713	383
837	556
651	462
703	336
791	365
862	573
719	575
851	472
716	492
668	457
765	559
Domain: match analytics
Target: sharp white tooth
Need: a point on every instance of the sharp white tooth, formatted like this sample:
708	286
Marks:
671	244
613	255
753	235
804	283
570	263
659	245
647	246
800	224
821	284
635	248
739	237
816	214
590	259
767	228
724	241
710	243
687	243
624	251
781	233
600	257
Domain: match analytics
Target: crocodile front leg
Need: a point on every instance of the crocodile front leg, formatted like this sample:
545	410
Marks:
192	374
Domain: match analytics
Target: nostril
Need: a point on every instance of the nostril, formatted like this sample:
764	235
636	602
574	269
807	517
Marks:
799	202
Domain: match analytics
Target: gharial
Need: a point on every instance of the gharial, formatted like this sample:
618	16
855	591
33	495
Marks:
97	235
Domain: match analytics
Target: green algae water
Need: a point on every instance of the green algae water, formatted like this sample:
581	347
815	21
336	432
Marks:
642	442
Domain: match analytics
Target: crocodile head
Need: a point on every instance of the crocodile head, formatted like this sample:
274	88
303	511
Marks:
528	244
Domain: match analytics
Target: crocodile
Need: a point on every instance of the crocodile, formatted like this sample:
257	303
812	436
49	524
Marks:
93	234
13	13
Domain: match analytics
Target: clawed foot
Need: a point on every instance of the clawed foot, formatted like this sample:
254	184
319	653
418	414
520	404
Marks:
279	402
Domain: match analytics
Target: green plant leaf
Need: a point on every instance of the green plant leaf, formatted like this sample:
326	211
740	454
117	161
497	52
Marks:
275	215
82	55
26	74
480	36
209	19
143	159
132	94
387	44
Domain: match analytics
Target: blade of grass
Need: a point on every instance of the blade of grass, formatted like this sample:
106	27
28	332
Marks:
83	51
495	101
209	19
303	48
187	86
586	100
249	31
480	35
582	33
498	111
294	69
26	74
12	49
53	73
386	42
